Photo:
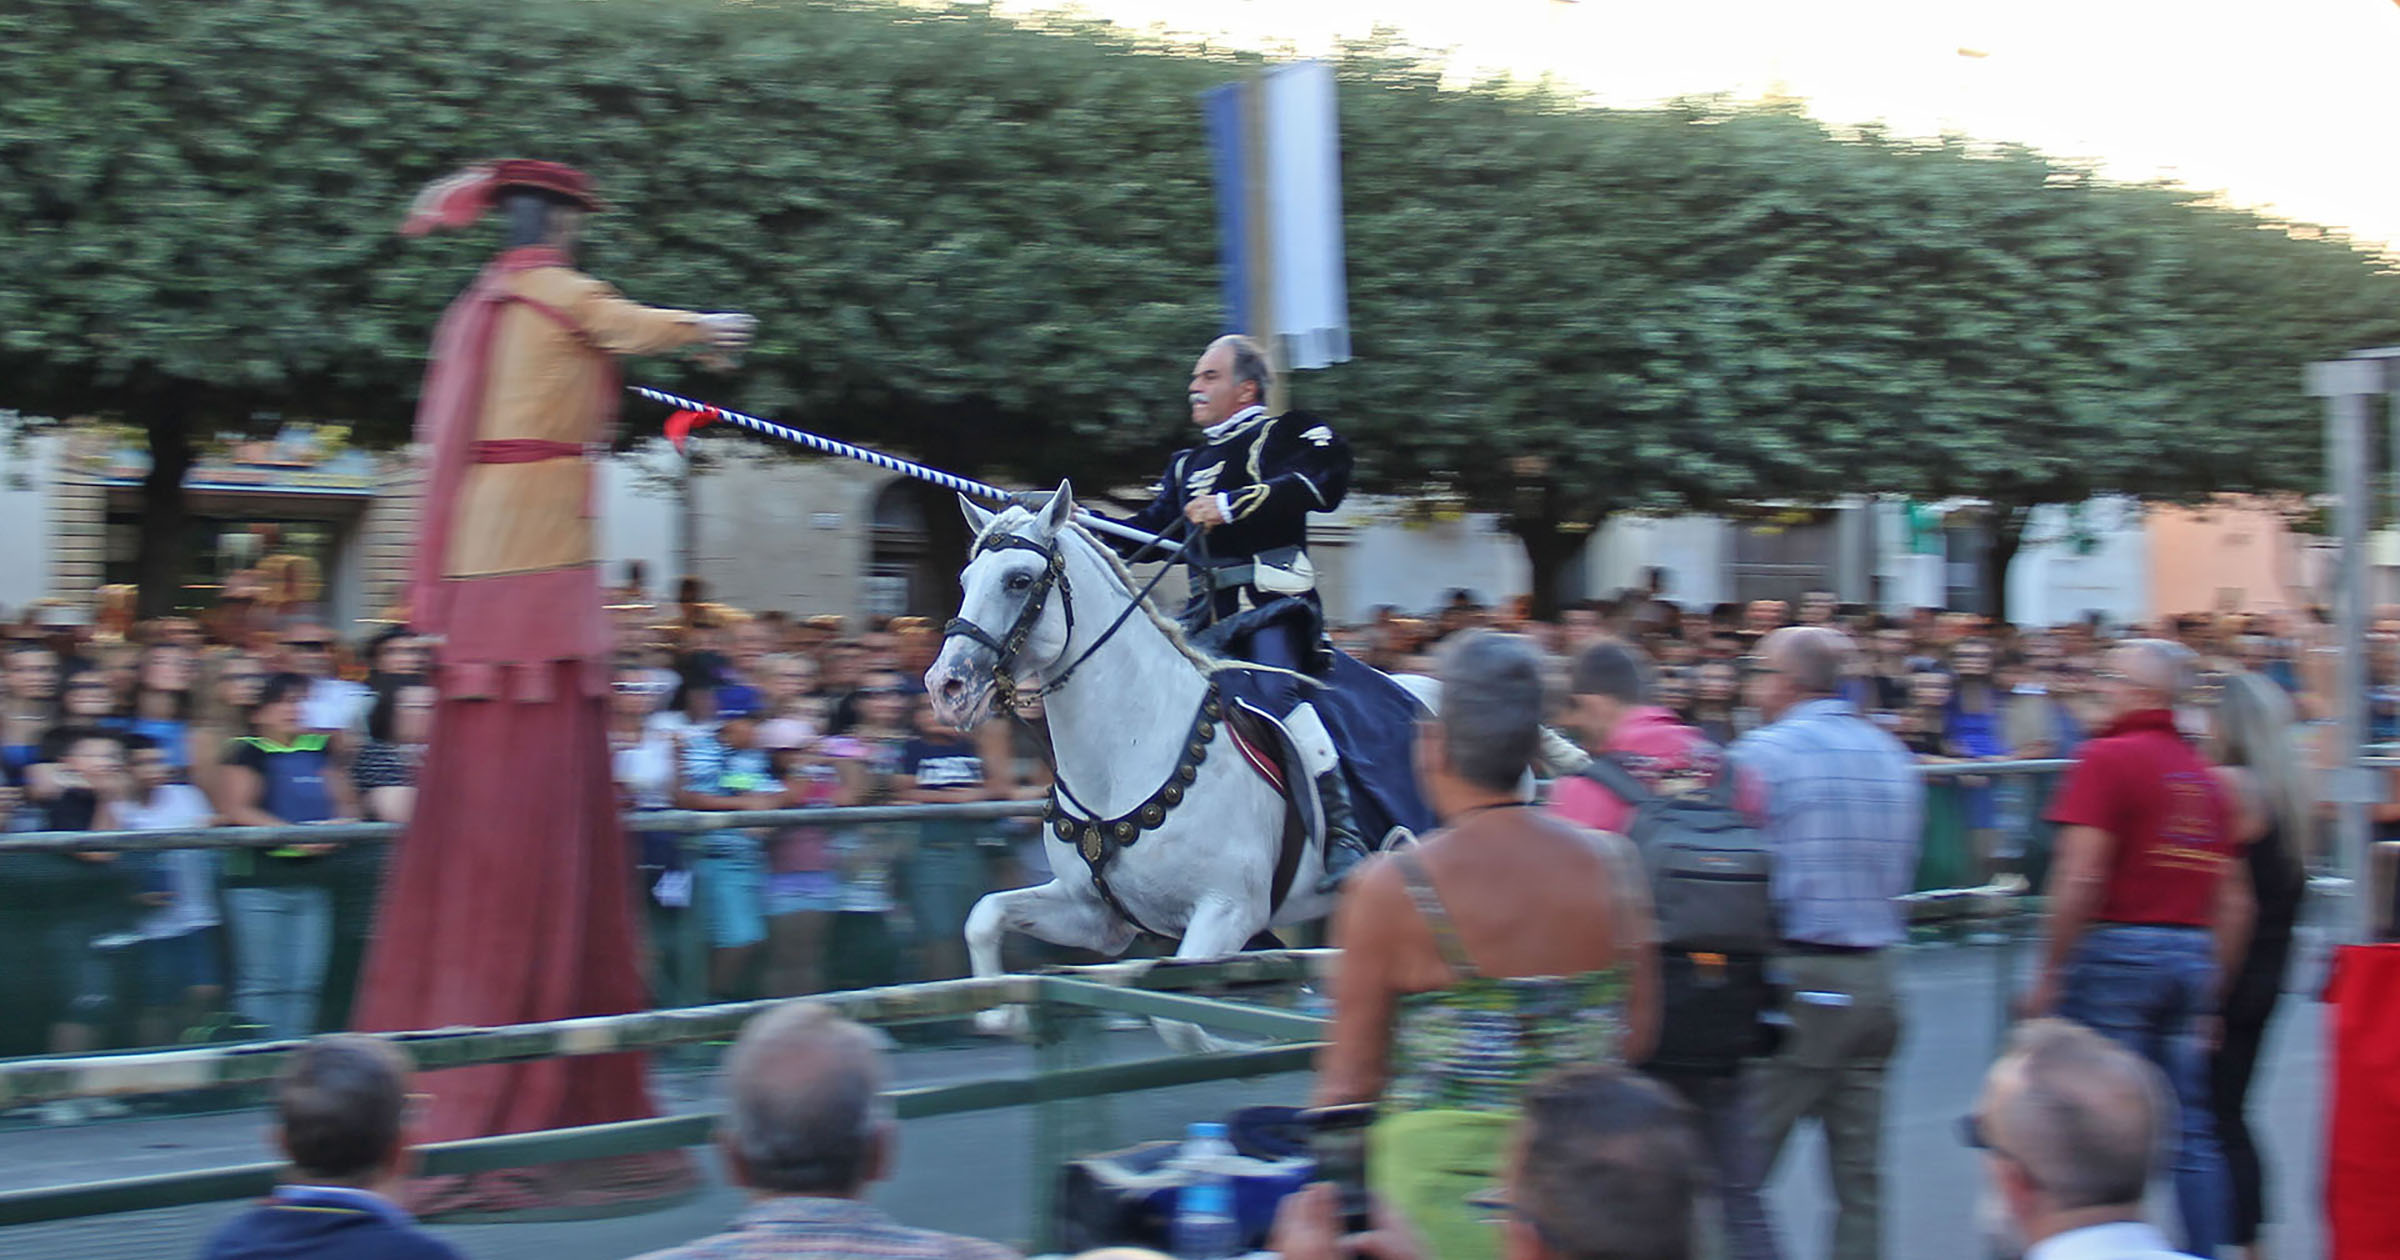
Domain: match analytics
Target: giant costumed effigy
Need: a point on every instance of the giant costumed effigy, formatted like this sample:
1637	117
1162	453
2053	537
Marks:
509	901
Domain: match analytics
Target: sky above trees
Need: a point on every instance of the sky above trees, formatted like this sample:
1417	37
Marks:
2280	106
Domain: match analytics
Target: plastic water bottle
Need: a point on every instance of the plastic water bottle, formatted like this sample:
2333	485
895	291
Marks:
1204	1224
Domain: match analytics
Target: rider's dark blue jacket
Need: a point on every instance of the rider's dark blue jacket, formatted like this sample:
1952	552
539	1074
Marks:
1273	472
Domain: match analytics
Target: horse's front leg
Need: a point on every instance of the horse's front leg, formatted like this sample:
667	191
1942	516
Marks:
1055	912
1220	927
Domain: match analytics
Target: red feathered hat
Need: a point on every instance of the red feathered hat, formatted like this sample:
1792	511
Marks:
549	177
458	199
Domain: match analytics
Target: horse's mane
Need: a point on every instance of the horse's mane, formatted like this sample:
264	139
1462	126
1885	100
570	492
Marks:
1006	522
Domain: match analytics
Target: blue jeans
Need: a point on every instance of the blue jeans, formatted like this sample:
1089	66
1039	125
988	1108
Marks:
730	887
2147	988
281	940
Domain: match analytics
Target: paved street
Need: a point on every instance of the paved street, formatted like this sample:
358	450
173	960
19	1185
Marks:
970	1174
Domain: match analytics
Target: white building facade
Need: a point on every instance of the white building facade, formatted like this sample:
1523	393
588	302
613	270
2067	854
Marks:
827	536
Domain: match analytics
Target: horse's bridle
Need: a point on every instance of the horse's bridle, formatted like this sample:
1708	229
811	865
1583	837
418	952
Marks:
1053	574
1096	834
1006	647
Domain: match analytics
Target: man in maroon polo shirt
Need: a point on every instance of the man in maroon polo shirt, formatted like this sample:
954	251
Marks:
2149	905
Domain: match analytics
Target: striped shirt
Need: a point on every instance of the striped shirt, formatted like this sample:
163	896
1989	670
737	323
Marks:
796	1225
1844	810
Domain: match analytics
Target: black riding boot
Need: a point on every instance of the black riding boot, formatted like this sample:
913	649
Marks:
1343	845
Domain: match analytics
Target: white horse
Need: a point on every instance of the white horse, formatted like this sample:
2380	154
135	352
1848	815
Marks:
1159	822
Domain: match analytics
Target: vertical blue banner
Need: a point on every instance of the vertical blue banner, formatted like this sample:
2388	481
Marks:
1221	107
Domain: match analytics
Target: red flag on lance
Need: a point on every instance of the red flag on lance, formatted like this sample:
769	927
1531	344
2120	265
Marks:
681	424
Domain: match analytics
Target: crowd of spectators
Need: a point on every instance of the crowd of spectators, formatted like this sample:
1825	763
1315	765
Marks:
262	715
1954	686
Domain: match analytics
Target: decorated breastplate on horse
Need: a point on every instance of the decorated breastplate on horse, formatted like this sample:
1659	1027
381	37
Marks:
1098	839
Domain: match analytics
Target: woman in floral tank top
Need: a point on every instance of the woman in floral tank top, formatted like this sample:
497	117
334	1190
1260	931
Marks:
1509	943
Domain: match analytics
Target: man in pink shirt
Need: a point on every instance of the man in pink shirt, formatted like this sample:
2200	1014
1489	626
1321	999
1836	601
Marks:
1612	713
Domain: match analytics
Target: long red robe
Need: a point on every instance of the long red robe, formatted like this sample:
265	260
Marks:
510	899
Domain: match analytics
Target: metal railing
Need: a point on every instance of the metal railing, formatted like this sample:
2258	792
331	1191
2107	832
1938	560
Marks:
673	821
690	821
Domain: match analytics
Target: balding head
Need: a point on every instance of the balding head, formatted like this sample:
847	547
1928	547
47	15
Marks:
2146	674
2081	1117
2159	667
804	1110
1802	663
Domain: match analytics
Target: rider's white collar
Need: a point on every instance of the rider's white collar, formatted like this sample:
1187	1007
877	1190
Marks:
1217	431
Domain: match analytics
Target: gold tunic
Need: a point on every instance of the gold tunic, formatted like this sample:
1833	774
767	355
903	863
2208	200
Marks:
546	383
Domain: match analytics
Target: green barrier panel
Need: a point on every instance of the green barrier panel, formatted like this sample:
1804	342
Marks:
136	1194
1943	858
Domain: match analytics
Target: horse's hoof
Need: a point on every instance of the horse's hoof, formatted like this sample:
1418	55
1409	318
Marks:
1001	1021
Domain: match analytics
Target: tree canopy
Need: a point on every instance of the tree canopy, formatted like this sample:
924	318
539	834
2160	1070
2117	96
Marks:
1710	307
995	245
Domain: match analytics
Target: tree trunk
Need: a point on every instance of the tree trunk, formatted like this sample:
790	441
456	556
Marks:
164	544
1551	552
2008	537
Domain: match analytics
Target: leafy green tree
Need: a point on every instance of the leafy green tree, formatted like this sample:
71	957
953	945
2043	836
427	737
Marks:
961	237
1703	307
994	247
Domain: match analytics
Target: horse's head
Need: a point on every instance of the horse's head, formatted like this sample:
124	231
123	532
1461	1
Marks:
1014	612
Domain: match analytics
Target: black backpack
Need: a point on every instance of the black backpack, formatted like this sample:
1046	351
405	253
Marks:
1709	867
1709	884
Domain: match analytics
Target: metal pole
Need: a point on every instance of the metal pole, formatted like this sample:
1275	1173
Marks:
2346	385
1262	239
687	521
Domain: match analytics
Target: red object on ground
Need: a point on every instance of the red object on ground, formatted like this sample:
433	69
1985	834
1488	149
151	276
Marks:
2362	1105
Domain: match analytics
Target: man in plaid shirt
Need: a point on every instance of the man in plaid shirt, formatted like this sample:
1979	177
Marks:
807	1132
1843	808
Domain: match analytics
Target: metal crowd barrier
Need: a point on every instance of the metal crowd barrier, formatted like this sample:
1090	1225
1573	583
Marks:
674	821
689	821
1067	1089
1065	1072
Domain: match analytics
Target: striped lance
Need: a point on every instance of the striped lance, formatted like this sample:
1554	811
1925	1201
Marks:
951	481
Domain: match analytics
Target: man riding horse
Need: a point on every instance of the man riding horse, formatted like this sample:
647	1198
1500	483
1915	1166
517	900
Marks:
1245	493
